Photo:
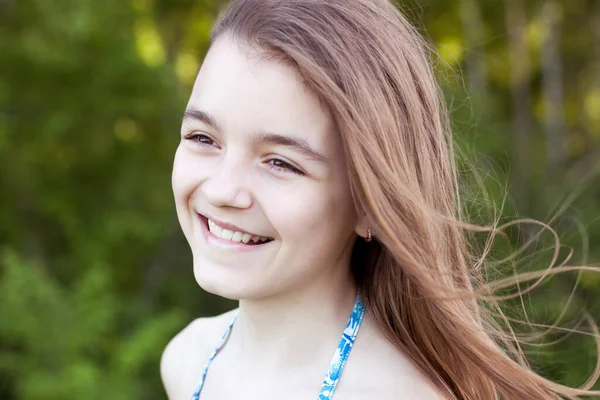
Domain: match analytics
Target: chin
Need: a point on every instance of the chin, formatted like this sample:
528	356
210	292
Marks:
230	286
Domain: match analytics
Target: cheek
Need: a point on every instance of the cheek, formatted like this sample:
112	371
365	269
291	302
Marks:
186	176
318	213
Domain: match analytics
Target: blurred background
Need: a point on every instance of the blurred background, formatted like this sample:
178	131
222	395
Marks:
95	274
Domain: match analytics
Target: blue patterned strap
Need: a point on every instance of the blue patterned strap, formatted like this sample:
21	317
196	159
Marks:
221	343
337	363
343	350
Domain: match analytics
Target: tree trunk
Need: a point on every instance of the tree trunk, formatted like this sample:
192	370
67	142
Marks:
516	23
552	88
596	29
472	23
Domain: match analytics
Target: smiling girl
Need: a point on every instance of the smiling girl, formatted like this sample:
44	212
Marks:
315	184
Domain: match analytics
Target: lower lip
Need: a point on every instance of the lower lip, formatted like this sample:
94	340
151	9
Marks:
225	244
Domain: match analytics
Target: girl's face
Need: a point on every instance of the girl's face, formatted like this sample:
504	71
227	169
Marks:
260	181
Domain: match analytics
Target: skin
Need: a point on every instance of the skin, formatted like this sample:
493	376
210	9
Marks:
295	291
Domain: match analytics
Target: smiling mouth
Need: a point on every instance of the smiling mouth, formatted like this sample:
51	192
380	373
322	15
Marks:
233	236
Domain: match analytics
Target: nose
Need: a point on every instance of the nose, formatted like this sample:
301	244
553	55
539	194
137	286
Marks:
227	185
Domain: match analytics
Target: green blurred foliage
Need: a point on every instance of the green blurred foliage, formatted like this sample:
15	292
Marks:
67	343
95	275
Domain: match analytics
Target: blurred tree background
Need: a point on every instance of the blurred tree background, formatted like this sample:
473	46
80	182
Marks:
95	275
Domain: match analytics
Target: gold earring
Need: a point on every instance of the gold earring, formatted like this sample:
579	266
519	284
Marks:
369	235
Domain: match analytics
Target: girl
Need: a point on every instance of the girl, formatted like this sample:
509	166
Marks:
315	184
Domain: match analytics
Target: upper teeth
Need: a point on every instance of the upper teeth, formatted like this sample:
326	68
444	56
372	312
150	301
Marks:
234	236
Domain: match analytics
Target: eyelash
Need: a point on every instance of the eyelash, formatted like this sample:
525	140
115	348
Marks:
197	137
283	166
286	166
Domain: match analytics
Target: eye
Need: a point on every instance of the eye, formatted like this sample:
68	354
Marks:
280	165
200	139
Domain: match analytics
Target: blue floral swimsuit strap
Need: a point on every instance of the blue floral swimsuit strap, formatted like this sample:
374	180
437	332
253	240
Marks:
343	350
221	343
337	363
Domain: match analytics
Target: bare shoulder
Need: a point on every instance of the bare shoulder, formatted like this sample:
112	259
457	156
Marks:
377	369
184	357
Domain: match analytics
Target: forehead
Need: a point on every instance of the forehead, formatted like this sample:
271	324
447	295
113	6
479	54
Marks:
246	92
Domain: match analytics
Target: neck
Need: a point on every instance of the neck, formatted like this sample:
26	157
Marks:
303	326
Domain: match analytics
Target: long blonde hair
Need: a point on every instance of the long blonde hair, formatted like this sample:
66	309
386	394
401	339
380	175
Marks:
370	69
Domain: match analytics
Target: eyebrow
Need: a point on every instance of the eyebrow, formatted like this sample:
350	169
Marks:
202	116
300	145
274	139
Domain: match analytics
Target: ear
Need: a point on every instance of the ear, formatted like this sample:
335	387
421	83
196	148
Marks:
362	225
